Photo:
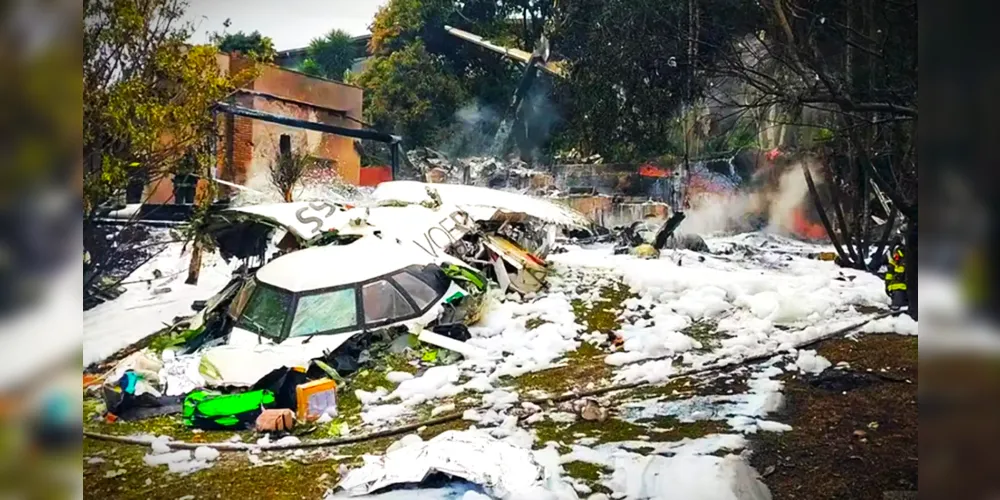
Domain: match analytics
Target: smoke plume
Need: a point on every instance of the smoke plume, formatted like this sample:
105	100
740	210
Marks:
778	205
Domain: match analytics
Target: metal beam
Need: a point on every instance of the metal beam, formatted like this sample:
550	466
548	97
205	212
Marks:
361	133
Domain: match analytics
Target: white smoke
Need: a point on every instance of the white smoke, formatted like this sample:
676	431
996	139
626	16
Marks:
791	193
470	134
776	202
712	212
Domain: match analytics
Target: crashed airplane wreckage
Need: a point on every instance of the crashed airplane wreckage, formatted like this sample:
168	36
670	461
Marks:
314	302
324	283
504	235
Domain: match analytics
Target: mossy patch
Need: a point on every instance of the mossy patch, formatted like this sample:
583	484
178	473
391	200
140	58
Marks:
348	404
169	425
585	470
582	367
589	474
369	379
671	429
585	365
659	429
608	431
371	447
423	410
454	425
603	315
673	388
586	352
705	331
533	323
232	476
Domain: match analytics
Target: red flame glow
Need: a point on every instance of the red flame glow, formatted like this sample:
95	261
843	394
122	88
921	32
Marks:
805	228
649	170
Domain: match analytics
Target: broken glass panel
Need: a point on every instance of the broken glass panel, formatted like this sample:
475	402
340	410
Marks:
266	311
383	302
421	293
240	301
432	275
324	312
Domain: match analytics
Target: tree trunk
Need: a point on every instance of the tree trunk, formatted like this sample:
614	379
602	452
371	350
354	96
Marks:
288	195
838	212
202	198
886	233
822	214
194	267
863	214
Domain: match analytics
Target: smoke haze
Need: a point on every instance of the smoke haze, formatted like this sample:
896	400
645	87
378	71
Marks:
776	207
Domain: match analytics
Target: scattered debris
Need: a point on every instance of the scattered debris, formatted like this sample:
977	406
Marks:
590	409
389	348
275	420
504	470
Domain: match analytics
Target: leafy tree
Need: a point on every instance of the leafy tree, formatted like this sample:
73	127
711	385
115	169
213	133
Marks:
636	70
411	93
147	105
401	22
330	56
288	168
147	94
486	78
253	45
311	67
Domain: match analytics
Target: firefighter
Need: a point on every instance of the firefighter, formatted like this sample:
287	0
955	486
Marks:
895	276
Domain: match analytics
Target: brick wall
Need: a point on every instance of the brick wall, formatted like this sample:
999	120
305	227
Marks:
601	210
319	91
247	147
338	151
237	145
252	164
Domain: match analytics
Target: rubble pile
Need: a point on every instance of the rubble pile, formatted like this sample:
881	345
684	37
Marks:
324	291
440	304
512	173
574	157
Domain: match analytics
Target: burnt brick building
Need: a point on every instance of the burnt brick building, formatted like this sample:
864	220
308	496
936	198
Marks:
247	147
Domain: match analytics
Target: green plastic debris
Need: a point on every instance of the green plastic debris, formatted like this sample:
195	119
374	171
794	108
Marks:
413	341
460	273
208	370
430	356
330	371
162	342
205	410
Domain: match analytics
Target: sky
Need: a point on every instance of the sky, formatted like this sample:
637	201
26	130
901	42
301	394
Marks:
290	23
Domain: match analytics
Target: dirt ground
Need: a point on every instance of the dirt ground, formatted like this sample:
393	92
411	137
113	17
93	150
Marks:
854	429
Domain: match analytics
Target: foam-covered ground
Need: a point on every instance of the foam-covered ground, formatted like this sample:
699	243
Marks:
755	294
150	302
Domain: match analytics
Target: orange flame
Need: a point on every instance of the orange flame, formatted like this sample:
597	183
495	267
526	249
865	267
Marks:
805	228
